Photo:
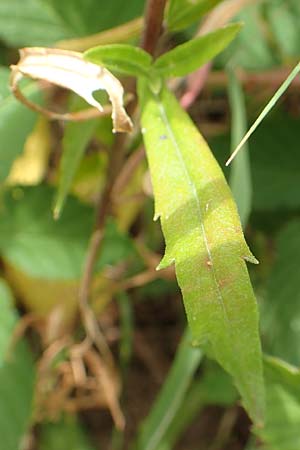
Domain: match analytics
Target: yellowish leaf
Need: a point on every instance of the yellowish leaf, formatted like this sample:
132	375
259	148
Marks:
29	168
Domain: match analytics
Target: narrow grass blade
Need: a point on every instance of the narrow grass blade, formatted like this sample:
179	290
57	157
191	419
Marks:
240	176
171	396
75	141
266	110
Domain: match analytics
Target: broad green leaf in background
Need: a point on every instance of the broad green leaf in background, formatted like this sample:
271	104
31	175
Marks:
43	22
7	319
29	22
16	121
170	399
204	238
240	177
17	377
281	312
67	434
183	13
122	58
188	57
281	430
32	241
75	140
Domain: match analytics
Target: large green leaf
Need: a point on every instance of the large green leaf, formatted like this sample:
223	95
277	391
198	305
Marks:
282	307
188	57
17	376
43	22
170	399
34	242
121	58
204	238
66	434
16	121
7	319
183	13
281	431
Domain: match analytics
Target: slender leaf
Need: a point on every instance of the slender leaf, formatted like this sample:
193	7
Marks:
240	177
183	13
266	110
213	387
32	241
281	312
76	138
16	122
281	430
204	238
283	18
7	319
17	377
247	52
64	435
121	58
171	396
188	57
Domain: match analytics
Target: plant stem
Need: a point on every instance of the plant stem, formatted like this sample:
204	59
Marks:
103	209
153	23
154	15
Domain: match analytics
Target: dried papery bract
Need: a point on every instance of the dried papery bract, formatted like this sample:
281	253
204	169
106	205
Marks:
69	70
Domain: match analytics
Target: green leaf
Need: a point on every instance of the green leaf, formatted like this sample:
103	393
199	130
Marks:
249	53
64	435
240	176
188	57
7	319
17	377
34	242
284	18
75	140
281	430
171	396
282	306
183	13
214	386
43	22
16	121
122	58
204	238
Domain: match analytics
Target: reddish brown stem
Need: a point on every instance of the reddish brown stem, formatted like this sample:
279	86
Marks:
153	24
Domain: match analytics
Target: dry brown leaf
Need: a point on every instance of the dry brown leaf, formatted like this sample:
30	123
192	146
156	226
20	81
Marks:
69	70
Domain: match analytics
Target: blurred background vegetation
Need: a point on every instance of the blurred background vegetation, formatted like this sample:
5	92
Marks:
54	395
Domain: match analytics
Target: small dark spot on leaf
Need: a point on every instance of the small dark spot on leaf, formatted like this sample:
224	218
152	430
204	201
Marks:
163	137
